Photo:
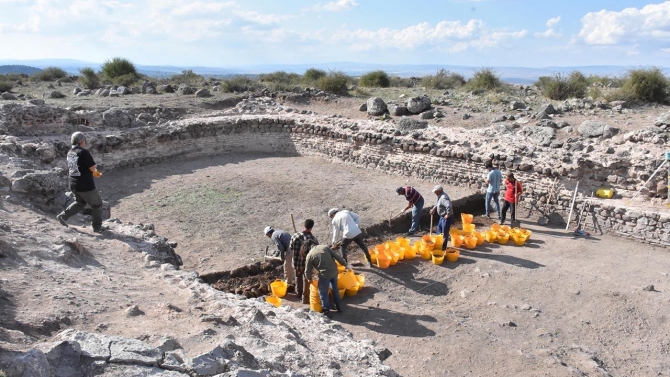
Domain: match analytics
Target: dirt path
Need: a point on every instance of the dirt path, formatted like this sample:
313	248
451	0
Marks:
559	306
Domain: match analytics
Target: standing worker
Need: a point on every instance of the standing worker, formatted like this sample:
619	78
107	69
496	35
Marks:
493	180
282	240
322	259
415	201
512	196
346	228
82	170
298	239
445	211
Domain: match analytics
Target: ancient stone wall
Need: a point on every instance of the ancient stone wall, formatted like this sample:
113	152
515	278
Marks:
453	159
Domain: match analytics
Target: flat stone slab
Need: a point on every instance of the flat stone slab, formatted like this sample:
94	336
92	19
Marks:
133	351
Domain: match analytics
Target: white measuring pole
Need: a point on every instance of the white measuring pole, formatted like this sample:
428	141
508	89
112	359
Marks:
572	204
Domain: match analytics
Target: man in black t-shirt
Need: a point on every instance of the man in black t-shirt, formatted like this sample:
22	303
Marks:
82	169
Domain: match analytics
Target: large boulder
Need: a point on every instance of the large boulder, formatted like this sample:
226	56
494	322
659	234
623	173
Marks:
548	108
185	89
167	88
417	105
8	96
397	110
663	120
33	363
409	124
202	93
517	105
539	135
376	106
117	118
56	94
149	88
594	128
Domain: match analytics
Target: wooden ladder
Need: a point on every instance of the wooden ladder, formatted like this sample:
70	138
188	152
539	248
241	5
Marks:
584	215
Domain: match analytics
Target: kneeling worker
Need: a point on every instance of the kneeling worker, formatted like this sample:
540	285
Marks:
322	259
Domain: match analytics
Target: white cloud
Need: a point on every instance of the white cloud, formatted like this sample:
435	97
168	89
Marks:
336	6
628	26
452	35
553	22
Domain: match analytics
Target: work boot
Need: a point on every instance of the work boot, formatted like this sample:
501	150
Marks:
62	220
338	307
290	289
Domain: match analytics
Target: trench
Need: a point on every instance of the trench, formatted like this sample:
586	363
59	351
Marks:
253	280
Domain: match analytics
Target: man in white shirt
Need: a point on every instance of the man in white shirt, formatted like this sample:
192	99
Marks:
346	228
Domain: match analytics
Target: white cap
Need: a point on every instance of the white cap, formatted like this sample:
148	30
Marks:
332	211
437	188
267	230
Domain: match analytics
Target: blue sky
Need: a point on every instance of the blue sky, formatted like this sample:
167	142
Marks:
530	33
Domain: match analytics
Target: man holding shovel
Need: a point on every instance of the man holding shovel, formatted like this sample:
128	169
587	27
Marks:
298	239
415	201
282	240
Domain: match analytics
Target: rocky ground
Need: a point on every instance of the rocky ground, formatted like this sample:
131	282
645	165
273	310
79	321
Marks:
563	305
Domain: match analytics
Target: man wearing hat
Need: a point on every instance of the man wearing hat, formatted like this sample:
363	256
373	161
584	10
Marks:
282	240
82	170
415	201
445	211
493	180
346	228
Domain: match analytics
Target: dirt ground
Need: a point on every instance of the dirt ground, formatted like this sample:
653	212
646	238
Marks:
561	305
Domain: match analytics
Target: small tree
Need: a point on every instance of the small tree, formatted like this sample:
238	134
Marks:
50	74
484	79
312	75
648	85
375	79
119	71
89	78
335	82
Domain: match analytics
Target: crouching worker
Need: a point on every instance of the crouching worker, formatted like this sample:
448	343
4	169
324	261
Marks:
282	240
322	259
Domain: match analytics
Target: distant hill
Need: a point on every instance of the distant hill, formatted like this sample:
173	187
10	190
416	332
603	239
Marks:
6	69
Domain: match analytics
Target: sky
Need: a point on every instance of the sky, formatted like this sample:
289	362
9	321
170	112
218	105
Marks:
525	33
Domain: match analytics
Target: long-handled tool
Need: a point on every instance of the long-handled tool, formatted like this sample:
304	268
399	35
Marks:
572	204
267	257
392	217
431	225
293	222
544	220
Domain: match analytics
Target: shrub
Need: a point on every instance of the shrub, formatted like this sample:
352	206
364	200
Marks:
647	85
239	84
186	76
335	82
402	82
443	79
89	78
605	81
484	79
621	94
313	75
358	92
560	87
595	92
50	74
119	68
280	77
5	86
375	79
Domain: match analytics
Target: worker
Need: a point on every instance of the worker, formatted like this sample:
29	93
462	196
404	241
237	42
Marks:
512	196
82	170
282	240
492	179
346	229
298	239
414	201
444	209
322	259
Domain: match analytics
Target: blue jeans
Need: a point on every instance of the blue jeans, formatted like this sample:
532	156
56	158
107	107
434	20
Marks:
443	227
495	196
416	215
324	284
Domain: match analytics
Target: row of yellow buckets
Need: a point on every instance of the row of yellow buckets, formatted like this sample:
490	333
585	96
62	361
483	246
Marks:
428	247
469	238
348	284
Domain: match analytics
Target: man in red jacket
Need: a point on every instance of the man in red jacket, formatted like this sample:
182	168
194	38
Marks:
512	195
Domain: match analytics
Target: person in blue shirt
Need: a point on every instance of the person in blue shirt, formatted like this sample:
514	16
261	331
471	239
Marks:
282	240
493	179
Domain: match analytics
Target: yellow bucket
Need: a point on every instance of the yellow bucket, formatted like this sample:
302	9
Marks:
604	193
401	253
402	241
452	255
495	227
342	292
425	253
438	256
383	260
274	300
480	237
503	237
346	279
457	241
278	288
352	291
439	239
410	252
314	299
466	218
491	236
394	257
519	241
361	280
373	256
470	242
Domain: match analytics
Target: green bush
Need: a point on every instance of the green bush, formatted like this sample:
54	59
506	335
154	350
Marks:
119	71
647	85
280	77
375	79
312	75
335	82
443	79
50	74
402	82
89	78
484	79
595	92
5	86
239	84
621	94
186	76
605	81
560	87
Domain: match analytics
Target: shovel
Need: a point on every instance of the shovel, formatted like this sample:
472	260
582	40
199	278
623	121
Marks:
391	217
543	220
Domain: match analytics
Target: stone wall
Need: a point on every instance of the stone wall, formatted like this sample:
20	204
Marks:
454	159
